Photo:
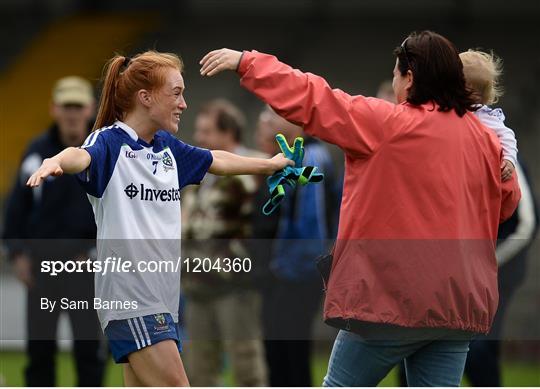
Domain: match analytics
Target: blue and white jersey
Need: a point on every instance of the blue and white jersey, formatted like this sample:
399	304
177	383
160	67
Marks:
134	188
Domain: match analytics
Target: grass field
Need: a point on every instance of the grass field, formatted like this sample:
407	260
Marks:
12	364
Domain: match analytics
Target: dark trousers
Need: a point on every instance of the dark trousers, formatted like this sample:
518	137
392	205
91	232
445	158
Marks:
89	349
289	309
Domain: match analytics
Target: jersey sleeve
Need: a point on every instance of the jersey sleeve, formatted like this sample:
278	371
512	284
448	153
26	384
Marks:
192	162
100	145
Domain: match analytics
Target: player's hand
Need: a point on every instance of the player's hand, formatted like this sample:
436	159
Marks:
507	168
217	61
278	162
49	167
22	267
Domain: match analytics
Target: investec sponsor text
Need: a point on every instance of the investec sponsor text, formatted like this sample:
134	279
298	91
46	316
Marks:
145	193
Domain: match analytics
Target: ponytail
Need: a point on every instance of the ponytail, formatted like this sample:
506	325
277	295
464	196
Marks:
107	111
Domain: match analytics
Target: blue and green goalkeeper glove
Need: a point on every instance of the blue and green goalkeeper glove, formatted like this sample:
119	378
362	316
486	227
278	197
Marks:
296	154
289	175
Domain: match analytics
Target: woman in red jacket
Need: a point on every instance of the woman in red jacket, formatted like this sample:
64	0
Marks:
414	272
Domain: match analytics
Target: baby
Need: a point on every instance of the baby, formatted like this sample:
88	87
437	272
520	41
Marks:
482	72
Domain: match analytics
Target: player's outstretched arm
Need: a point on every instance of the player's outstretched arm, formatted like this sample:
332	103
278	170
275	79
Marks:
71	160
229	164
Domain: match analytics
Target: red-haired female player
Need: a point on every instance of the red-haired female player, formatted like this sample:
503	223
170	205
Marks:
133	168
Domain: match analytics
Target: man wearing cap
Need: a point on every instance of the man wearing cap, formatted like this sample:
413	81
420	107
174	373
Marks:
56	222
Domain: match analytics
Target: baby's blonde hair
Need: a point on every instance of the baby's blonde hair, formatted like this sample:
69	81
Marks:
482	74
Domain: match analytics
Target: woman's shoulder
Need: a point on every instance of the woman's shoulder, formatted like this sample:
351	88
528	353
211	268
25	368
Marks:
111	131
106	138
167	139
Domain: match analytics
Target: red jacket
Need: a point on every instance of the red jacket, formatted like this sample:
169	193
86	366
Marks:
422	201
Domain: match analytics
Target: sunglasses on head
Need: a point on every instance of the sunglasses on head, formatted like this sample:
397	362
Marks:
402	46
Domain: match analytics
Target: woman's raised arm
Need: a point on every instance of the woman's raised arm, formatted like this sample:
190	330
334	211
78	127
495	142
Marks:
353	123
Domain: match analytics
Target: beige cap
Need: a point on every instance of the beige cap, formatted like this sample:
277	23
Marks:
72	90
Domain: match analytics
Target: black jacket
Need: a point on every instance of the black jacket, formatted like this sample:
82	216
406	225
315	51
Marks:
58	209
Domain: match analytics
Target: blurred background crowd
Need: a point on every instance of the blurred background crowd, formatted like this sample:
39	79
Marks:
350	43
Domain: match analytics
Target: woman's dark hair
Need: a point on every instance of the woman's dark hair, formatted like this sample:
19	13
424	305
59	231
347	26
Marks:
437	72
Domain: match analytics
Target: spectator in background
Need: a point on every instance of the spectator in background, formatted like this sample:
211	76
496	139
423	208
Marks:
223	308
304	225
386	92
514	241
56	221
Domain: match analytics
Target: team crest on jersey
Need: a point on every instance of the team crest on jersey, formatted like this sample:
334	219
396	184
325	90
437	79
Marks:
160	318
167	161
162	324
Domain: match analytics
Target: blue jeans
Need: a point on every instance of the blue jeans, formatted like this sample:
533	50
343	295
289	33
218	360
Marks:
435	358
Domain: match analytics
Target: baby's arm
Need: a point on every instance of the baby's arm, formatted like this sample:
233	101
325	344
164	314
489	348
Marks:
494	119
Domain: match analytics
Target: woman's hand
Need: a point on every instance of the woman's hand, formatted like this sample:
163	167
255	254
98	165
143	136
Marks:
219	60
49	167
278	162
